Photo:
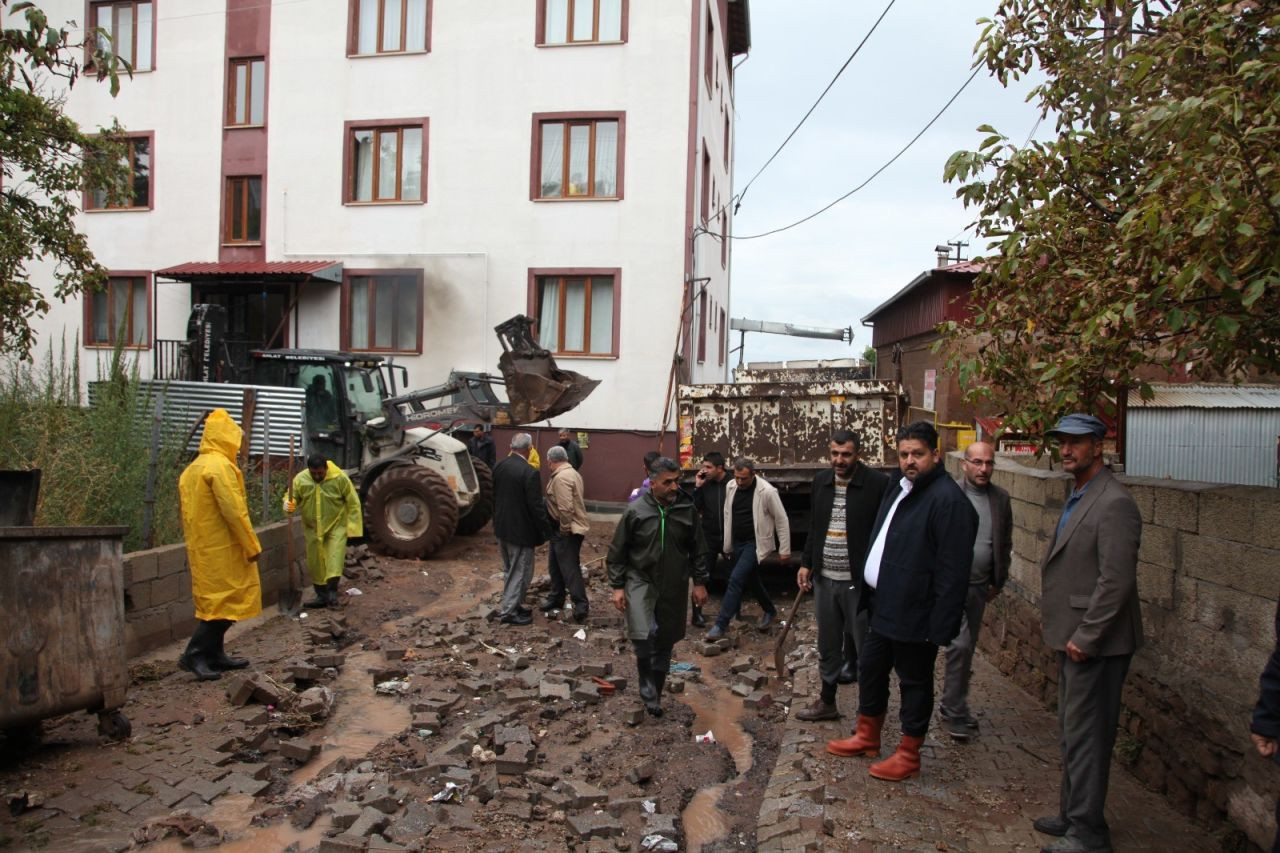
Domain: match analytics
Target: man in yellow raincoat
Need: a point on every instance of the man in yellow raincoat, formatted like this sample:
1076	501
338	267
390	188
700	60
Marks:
222	549
330	513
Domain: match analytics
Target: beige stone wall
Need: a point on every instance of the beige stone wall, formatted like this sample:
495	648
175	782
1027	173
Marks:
1208	578
158	607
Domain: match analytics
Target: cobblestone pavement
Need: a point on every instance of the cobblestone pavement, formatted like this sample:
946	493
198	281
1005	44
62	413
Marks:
976	796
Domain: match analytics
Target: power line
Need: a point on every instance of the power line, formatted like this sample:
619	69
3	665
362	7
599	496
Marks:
743	194
874	174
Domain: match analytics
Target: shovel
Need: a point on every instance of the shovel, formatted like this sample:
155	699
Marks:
290	603
779	652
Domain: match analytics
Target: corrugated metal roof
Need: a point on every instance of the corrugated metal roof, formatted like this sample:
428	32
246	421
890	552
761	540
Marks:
326	270
1209	396
963	268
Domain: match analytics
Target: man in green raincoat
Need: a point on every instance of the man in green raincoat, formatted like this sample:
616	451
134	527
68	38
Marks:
330	513
657	546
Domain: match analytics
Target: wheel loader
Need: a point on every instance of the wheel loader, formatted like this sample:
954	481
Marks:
418	484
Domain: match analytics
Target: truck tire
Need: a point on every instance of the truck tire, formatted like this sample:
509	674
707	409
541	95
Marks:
482	510
411	511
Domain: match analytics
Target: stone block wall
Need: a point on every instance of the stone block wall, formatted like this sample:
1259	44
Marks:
157	587
1208	579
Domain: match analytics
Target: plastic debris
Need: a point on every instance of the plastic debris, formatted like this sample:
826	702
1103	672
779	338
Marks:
684	667
425	733
580	634
393	688
351	590
657	842
709	737
650	807
302	615
452	793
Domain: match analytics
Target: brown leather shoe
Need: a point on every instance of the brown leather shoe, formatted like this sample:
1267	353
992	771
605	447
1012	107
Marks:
865	740
819	710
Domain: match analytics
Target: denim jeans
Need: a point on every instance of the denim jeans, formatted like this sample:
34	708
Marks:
745	574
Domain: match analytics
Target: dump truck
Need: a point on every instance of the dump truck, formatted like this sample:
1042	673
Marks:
419	485
782	417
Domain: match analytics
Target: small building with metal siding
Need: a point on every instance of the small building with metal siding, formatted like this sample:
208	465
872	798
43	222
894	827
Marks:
1207	433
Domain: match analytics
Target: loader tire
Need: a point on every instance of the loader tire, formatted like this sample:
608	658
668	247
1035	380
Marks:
482	510
411	511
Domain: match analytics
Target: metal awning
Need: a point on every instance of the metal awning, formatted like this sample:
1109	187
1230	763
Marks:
277	271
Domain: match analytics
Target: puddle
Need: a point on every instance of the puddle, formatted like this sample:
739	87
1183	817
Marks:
231	814
719	710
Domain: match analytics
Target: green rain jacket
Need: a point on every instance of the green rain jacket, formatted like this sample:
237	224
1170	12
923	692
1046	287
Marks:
654	553
323	506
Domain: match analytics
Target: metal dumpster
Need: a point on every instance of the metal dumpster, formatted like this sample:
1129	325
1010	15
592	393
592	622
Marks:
62	605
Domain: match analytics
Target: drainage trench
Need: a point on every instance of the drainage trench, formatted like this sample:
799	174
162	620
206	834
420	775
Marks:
718	710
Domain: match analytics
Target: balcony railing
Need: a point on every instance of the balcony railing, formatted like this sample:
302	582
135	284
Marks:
171	359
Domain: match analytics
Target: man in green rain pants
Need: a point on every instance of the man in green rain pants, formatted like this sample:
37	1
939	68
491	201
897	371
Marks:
657	546
330	509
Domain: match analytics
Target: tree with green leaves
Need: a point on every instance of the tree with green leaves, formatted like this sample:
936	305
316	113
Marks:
1144	237
48	160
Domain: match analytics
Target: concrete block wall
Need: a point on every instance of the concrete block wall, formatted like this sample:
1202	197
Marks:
157	587
1208	579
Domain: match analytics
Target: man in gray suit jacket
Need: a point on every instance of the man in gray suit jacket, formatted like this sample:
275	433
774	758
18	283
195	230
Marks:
1091	617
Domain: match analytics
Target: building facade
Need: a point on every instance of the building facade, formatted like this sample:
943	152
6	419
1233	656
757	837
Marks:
398	176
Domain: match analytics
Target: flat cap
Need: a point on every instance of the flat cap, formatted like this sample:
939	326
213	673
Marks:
1079	423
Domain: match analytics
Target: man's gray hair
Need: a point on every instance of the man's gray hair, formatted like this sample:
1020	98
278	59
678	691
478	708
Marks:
521	441
557	454
661	464
743	462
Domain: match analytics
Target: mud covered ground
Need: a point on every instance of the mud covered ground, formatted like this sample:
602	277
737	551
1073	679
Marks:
486	736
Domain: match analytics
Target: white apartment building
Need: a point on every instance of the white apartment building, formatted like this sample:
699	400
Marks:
398	176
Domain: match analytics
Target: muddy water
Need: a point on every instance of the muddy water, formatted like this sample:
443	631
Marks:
231	814
718	710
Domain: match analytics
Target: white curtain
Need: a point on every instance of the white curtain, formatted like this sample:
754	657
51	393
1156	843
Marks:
144	38
411	164
557	22
549	315
391	11
606	158
407	324
387	164
552	160
601	315
610	20
415	25
257	91
139	311
360	313
579	154
575	314
362	166
367	27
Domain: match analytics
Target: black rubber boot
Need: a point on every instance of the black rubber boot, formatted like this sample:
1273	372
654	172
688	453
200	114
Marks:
644	674
321	599
659	665
195	659
331	588
219	660
697	620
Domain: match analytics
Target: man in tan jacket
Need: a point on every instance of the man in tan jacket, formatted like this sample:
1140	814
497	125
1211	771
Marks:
569	525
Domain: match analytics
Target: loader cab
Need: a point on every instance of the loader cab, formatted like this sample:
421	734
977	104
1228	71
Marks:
343	392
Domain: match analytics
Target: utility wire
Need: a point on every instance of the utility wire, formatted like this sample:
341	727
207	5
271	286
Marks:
743	194
874	174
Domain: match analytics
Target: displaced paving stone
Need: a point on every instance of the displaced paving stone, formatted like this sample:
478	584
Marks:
325	661
742	664
486	786
515	759
370	821
475	686
709	650
675	686
410	827
758	699
240	690
305	672
586	691
506	735
341	844
242	784
582	794
516	809
299	749
426	720
589	826
753	678
627	805
205	790
388	673
381	798
743	690
541	777
597	668
344	813
316	701
634	717
551	690
640	773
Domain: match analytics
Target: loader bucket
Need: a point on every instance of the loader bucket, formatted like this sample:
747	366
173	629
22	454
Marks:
537	389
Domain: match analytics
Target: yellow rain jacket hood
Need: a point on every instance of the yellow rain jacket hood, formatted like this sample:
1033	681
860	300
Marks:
330	513
215	520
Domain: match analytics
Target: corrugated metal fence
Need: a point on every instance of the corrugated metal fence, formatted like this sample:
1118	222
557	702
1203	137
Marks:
184	402
1210	445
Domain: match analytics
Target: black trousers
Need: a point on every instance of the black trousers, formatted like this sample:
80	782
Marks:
913	662
565	568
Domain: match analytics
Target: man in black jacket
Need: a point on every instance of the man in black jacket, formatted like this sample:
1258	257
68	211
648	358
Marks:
845	498
521	524
914	582
570	447
708	497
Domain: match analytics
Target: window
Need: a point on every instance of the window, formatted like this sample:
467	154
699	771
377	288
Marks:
386	161
126	30
138	158
390	26
246	92
578	156
118	312
710	57
382	311
243	211
722	337
581	21
703	320
576	311
724	237
706	184
726	141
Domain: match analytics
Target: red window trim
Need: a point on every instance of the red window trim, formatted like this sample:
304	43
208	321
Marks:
535	153
348	154
579	272
540	29
86	195
353	36
344	330
87	312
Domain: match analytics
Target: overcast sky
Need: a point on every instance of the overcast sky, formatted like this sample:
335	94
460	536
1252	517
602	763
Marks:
834	269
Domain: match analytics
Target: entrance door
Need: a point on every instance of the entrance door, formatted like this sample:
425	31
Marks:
255	311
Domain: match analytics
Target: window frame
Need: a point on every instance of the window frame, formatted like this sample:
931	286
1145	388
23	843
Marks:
704	320
540	26
91	6
593	116
710	58
145	277
227	237
705	201
344	329
353	31
349	129
723	338
229	121
538	273
87	194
